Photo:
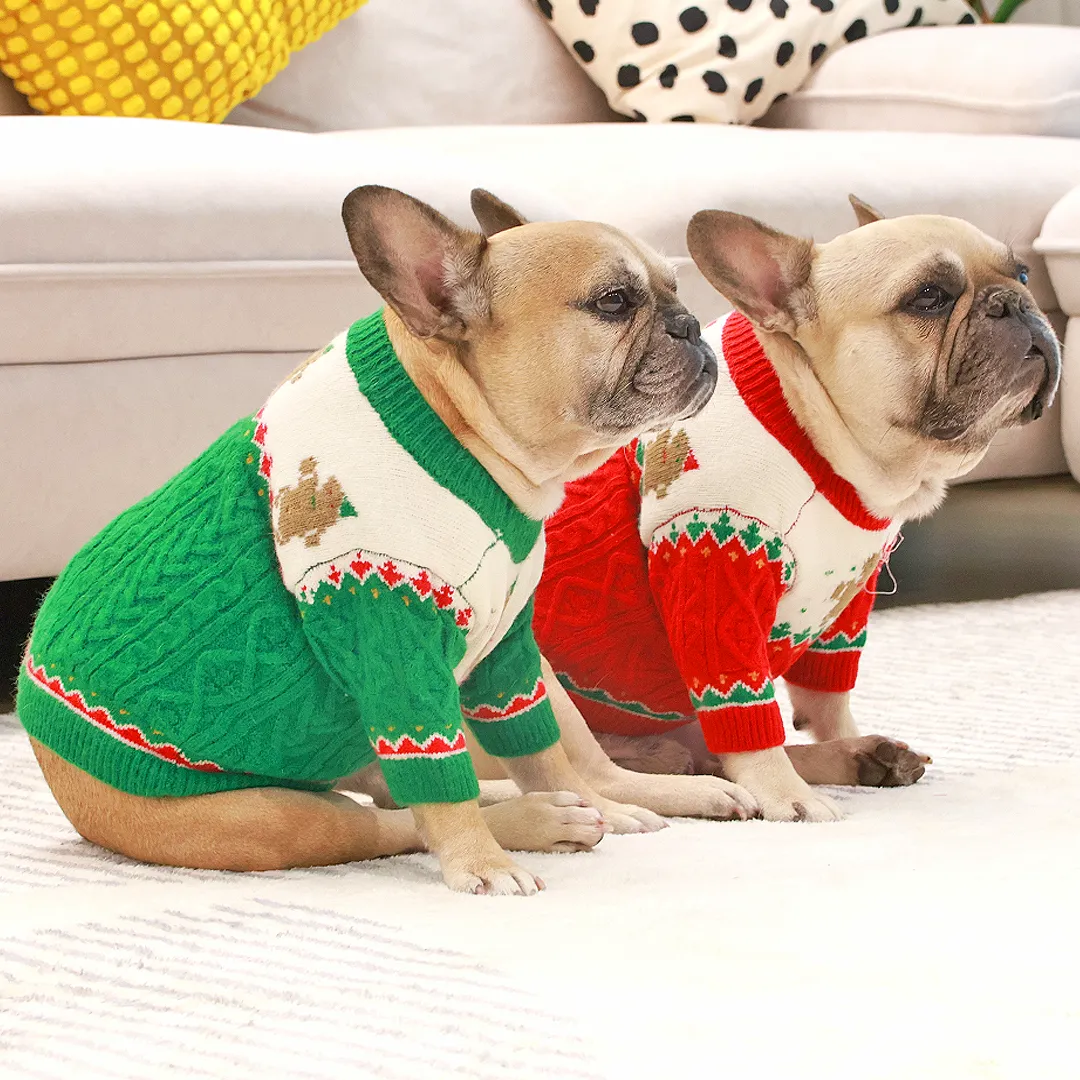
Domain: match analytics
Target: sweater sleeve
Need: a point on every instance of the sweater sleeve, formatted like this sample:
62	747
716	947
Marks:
717	577
504	699
390	635
831	663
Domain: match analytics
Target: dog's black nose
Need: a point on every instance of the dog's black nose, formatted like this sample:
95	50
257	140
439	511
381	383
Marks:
683	325
1004	304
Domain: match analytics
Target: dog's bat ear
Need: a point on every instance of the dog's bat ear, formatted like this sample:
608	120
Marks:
423	265
493	214
864	212
763	272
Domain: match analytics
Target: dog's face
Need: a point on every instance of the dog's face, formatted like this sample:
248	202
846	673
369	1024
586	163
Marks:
921	329
572	331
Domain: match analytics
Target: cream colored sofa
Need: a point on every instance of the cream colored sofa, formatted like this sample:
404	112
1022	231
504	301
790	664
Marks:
157	279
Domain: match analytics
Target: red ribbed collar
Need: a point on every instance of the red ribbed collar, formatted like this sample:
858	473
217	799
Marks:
759	386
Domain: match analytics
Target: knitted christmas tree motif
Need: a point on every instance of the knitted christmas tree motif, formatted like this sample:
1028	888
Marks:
663	461
602	697
384	577
783	635
103	720
310	508
516	706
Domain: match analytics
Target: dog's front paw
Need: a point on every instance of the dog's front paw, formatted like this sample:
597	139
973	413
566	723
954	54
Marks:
798	806
780	792
490	876
883	762
625	817
546	821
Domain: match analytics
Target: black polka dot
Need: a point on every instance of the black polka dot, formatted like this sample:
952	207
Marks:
693	19
785	52
855	31
739	5
822	5
967	20
776	100
916	18
668	76
585	51
727	46
545	8
639	116
685	118
715	81
892	6
629	75
753	90
778	8
645	33
817	52
588	7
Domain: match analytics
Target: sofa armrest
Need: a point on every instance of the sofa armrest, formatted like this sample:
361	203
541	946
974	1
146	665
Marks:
1059	245
1019	80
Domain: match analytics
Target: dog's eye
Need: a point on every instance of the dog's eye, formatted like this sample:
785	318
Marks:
930	300
1022	275
615	302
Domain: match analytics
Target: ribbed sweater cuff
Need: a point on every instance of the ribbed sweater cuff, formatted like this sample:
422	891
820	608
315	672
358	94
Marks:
831	672
736	729
442	780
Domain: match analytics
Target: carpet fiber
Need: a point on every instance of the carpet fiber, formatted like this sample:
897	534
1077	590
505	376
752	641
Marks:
932	933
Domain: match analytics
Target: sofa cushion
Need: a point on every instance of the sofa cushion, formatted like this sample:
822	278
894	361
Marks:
986	79
721	60
430	62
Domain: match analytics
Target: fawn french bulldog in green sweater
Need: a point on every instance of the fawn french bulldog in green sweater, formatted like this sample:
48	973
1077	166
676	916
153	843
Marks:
348	575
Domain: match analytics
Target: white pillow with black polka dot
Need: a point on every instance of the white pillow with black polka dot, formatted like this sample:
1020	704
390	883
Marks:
725	61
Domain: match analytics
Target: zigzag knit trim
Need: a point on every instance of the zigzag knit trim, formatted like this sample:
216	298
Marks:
759	386
406	748
102	719
371	569
739	695
517	706
635	708
708	530
839	642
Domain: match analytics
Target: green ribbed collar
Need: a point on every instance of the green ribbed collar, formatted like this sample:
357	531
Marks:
421	433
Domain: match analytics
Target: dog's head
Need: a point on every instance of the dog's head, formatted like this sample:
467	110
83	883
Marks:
920	329
572	331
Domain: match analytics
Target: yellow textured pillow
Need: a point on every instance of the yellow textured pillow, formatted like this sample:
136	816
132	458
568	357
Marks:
175	59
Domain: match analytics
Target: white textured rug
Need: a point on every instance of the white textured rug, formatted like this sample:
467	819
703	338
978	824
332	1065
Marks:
933	933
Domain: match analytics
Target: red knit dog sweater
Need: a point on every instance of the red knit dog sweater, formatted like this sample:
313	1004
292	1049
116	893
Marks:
696	566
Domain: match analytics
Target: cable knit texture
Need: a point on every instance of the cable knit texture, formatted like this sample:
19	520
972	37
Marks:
334	578
696	566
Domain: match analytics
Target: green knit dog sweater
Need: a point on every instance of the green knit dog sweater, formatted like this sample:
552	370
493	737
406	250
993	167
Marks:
335	579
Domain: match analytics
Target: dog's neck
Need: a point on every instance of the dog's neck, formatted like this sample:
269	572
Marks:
437	371
895	476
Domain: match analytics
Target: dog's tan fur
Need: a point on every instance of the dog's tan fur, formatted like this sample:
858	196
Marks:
503	336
